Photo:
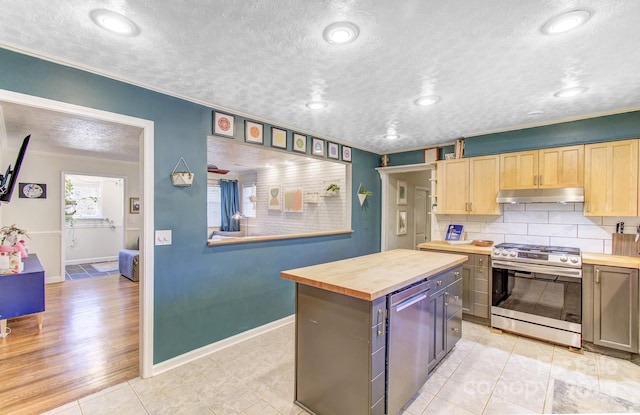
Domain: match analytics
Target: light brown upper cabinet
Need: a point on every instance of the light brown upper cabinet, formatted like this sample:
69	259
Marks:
468	186
611	178
547	168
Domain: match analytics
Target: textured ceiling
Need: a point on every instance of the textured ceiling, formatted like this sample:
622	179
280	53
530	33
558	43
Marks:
58	133
486	59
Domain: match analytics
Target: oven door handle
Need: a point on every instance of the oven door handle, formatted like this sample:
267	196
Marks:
516	266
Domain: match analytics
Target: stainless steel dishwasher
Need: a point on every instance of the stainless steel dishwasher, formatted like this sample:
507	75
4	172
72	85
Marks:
408	347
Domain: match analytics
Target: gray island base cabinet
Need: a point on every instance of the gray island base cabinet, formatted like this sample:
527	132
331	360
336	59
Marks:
344	357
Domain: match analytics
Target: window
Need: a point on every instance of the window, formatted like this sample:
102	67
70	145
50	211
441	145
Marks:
88	200
213	204
249	200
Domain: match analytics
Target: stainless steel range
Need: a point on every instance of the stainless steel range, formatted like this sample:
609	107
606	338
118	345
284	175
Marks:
537	292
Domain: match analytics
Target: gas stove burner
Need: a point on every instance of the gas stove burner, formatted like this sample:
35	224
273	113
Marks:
538	254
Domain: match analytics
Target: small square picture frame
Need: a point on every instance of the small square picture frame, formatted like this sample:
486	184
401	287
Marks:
402	192
134	205
317	147
333	151
431	155
223	124
278	138
253	132
299	143
346	153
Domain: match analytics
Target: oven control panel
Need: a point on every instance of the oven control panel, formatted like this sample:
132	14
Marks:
537	257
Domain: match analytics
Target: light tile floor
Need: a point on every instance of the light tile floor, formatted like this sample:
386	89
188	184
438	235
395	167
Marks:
486	373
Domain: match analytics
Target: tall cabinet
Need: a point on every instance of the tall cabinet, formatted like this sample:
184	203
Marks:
468	186
611	178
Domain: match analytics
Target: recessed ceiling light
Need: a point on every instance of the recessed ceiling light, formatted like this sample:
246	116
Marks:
566	22
316	105
427	100
340	33
114	22
391	136
570	92
534	113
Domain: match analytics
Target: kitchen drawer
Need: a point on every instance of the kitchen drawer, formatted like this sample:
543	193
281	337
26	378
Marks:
454	329
481	261
378	337
445	279
378	387
378	362
453	298
378	408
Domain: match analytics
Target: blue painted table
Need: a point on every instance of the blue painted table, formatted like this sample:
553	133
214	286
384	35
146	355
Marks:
22	294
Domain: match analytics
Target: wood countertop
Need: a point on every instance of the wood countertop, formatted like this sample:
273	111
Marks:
611	260
446	246
372	276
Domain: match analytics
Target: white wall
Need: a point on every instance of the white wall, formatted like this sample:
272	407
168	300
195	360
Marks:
419	178
43	217
329	213
541	223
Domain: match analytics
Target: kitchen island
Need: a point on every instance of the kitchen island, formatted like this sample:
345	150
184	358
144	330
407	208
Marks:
369	328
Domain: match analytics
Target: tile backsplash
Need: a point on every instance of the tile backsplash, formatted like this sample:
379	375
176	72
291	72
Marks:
541	223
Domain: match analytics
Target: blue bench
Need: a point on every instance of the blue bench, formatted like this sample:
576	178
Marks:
128	260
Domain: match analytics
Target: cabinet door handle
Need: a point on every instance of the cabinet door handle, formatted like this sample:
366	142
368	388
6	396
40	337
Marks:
439	282
587	207
597	276
535	180
481	259
455	329
455	297
470	206
457	274
381	321
540	180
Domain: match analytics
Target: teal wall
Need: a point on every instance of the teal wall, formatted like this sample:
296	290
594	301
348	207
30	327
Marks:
593	130
202	294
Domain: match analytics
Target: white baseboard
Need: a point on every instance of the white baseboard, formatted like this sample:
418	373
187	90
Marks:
222	344
90	260
56	278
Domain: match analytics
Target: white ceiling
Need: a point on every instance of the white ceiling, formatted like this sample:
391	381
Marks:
487	59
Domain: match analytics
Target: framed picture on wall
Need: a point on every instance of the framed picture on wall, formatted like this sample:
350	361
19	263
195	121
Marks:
32	191
253	132
401	225
299	143
223	124
318	147
402	192
134	205
278	138
346	153
332	149
275	195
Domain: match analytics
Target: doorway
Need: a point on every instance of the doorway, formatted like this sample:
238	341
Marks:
145	170
94	226
422	217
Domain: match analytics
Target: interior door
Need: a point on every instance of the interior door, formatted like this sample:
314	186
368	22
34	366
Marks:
421	215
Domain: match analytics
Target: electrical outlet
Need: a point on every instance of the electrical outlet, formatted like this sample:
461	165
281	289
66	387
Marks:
163	237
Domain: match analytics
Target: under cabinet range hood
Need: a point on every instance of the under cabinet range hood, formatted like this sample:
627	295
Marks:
563	195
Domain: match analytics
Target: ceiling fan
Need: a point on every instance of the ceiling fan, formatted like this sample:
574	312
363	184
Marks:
214	169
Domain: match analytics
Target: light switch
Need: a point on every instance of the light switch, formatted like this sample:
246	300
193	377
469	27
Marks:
163	237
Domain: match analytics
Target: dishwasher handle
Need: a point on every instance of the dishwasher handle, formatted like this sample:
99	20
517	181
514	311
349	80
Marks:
411	301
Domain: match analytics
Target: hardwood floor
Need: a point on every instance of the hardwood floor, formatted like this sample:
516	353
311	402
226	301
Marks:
88	342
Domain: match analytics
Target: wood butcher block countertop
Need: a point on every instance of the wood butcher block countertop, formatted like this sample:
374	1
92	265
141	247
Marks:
464	248
372	276
611	260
